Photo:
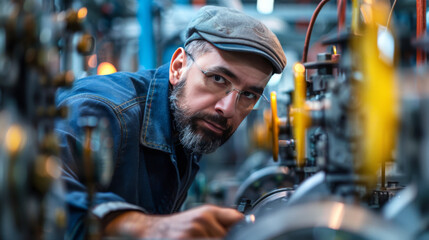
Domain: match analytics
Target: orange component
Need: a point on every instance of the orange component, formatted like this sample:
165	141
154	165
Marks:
341	10
421	29
92	61
275	122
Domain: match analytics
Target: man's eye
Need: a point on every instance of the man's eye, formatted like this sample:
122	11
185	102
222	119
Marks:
249	95
217	78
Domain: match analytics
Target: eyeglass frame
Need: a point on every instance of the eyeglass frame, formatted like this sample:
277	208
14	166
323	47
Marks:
205	73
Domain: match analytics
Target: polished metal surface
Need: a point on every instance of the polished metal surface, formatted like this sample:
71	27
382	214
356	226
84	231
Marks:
309	220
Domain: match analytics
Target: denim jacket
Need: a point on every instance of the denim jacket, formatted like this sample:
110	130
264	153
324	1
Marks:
146	158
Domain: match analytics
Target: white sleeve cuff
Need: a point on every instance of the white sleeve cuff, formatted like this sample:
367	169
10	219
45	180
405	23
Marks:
101	210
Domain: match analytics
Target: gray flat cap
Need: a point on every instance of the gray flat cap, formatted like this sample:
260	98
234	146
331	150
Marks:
231	30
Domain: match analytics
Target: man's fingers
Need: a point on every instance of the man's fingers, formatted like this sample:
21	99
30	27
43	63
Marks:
218	220
228	217
216	230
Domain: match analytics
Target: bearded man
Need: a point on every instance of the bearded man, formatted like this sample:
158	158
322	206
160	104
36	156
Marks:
162	121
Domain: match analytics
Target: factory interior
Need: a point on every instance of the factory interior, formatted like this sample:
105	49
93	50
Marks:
338	152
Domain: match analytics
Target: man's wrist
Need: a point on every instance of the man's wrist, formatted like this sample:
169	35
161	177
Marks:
103	209
106	212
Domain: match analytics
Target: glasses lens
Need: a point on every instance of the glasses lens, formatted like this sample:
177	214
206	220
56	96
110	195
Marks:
221	86
213	86
260	103
246	103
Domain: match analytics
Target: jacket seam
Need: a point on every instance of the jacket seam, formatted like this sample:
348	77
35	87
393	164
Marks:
118	107
132	105
163	146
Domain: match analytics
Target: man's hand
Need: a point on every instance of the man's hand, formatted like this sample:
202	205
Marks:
205	221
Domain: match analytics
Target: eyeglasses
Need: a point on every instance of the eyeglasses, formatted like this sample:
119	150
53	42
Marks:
222	87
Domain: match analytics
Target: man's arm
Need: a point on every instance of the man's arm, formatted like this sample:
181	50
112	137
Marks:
201	222
70	137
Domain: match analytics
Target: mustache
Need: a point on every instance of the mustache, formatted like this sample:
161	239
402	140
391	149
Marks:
218	119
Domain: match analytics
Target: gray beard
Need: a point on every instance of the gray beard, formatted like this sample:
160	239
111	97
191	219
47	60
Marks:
191	136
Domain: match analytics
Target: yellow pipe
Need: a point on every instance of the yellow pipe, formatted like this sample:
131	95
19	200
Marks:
299	113
275	122
378	90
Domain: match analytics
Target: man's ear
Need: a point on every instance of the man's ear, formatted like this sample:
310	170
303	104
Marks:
177	65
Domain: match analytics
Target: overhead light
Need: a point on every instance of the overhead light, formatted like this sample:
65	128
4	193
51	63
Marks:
105	68
265	6
81	14
15	139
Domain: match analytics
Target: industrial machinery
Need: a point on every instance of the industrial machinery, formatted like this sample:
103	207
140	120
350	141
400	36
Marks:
342	122
37	41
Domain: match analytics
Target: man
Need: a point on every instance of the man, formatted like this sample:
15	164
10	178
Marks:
162	121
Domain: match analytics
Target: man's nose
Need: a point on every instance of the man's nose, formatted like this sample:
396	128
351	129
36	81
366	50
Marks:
226	106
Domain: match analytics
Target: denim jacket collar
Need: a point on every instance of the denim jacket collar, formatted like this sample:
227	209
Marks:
156	130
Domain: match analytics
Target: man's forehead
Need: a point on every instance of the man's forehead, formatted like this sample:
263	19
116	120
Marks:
231	60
